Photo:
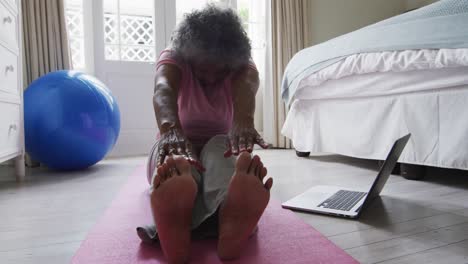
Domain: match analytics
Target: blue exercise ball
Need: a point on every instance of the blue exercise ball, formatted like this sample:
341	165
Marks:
71	120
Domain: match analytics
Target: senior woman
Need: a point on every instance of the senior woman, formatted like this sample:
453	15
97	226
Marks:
204	101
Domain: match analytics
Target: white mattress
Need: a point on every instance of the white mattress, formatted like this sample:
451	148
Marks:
386	73
386	83
367	127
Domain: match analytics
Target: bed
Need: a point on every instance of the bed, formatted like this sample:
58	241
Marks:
356	94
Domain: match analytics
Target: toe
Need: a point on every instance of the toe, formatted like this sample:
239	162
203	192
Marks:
164	171
182	165
243	162
171	167
170	162
269	184
263	173
254	165
259	170
159	176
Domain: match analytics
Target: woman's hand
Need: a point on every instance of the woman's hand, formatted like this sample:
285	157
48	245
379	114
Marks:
174	142
243	137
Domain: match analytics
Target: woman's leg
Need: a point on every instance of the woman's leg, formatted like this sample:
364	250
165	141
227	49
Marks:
246	199
151	163
173	194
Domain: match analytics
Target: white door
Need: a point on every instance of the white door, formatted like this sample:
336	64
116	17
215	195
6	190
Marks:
128	37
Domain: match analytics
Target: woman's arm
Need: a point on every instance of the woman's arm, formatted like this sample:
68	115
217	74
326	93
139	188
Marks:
173	140
243	134
166	89
245	86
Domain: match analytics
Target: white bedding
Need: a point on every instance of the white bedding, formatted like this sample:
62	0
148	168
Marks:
359	106
367	127
386	73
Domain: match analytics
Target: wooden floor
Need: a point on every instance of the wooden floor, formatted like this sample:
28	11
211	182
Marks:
45	219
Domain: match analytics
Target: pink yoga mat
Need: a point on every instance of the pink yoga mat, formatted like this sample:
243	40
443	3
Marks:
281	238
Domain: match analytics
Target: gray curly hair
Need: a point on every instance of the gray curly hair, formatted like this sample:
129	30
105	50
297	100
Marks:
214	35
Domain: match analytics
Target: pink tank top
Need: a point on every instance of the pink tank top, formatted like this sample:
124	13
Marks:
201	115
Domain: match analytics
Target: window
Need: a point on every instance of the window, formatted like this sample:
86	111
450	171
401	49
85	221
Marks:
129	30
75	28
252	14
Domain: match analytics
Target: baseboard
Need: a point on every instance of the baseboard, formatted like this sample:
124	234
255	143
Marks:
133	143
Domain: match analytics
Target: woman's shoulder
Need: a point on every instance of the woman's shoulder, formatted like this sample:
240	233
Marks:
169	56
167	53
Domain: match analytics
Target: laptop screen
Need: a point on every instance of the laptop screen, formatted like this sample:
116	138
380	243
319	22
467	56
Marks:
387	168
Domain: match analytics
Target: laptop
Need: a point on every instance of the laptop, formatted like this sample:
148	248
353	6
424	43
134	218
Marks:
336	201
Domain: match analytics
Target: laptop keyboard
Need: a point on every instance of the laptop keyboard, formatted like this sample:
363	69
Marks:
343	200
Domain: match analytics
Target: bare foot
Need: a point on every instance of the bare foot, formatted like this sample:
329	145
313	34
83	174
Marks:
172	202
244	205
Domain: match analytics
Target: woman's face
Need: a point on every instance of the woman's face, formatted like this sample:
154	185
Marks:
209	74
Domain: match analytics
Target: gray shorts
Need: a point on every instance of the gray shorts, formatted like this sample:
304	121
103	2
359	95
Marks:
212	188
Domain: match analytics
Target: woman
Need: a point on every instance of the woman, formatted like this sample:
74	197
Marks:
204	102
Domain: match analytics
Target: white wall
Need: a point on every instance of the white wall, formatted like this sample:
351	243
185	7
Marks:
412	4
331	18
